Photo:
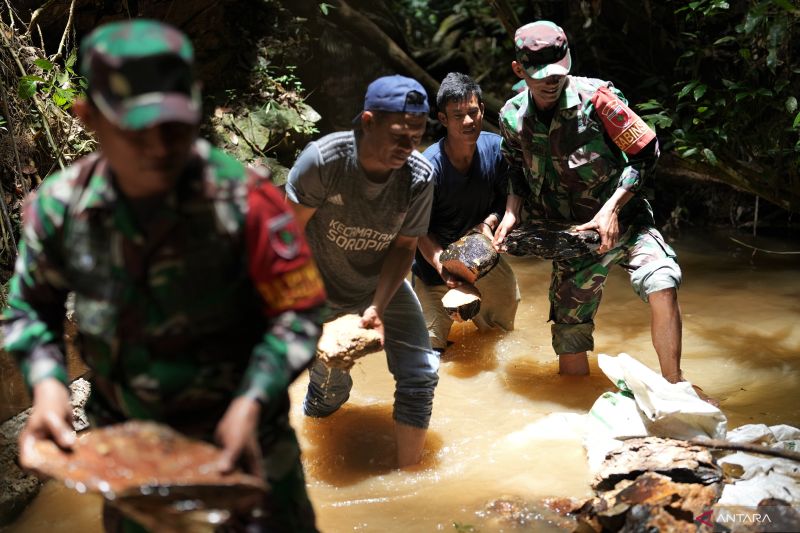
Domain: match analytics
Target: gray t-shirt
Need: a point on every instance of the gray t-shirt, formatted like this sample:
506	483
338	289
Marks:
356	219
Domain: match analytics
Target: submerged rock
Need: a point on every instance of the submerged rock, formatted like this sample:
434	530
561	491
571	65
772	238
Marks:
548	239
343	341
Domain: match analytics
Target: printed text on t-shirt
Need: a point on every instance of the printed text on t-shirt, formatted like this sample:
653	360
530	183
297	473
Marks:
358	238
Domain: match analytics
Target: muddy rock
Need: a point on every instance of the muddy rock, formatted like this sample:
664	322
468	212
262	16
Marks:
18	488
344	341
651	502
679	460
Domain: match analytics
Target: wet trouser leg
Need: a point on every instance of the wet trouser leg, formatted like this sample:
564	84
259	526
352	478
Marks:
499	298
577	284
411	361
437	320
499	301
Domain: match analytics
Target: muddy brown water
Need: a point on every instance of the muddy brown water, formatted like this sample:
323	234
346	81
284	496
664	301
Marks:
741	344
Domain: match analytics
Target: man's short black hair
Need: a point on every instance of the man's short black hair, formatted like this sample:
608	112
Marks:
457	87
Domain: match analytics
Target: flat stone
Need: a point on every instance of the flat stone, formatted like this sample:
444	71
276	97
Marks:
677	459
548	239
149	471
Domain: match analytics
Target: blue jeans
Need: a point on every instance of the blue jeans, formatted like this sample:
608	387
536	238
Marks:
411	361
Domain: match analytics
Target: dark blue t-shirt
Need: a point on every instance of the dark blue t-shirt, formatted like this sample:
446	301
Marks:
460	202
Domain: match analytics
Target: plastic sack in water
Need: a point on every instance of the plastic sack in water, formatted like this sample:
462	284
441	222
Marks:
657	407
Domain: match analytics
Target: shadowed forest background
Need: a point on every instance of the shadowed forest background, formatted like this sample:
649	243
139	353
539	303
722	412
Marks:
718	80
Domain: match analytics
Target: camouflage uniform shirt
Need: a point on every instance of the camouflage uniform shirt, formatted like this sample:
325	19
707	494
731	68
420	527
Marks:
180	306
568	169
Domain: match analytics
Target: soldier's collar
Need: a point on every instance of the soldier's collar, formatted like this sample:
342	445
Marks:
99	192
569	96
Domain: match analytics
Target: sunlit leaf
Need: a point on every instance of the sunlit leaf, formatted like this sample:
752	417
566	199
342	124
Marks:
710	156
699	91
724	40
796	122
791	104
772	59
43	64
27	86
690	152
751	21
686	89
73	56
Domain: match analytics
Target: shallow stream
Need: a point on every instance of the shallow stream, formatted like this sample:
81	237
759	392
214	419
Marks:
741	317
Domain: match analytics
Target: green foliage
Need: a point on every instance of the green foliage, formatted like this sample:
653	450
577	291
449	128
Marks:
464	528
60	84
737	90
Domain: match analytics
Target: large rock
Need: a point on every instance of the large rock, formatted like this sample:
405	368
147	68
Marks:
18	488
677	459
344	341
547	239
470	257
161	478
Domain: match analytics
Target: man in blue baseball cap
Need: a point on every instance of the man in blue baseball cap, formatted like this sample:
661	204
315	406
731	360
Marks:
364	198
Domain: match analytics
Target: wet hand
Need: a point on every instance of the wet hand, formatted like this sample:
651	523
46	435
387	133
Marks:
605	223
371	319
484	229
503	229
51	418
237	434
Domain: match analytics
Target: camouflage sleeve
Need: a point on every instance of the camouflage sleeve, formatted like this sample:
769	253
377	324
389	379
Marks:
512	153
281	268
33	322
640	166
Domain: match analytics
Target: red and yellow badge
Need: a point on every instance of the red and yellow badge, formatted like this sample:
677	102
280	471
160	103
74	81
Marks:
626	128
283	236
296	289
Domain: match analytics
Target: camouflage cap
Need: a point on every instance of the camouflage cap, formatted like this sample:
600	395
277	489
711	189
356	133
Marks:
542	49
140	74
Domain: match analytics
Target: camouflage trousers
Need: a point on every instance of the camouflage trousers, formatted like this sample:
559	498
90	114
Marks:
577	284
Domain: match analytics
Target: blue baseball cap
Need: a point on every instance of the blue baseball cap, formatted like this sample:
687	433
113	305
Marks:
395	94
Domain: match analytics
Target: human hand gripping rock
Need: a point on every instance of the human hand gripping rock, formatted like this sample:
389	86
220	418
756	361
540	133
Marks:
348	338
51	418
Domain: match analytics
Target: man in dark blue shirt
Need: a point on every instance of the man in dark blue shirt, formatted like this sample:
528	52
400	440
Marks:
469	175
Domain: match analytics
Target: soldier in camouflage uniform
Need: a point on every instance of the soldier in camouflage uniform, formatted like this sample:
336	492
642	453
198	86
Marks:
196	298
565	167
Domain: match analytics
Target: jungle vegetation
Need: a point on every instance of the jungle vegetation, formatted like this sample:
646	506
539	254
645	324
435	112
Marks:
719	80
